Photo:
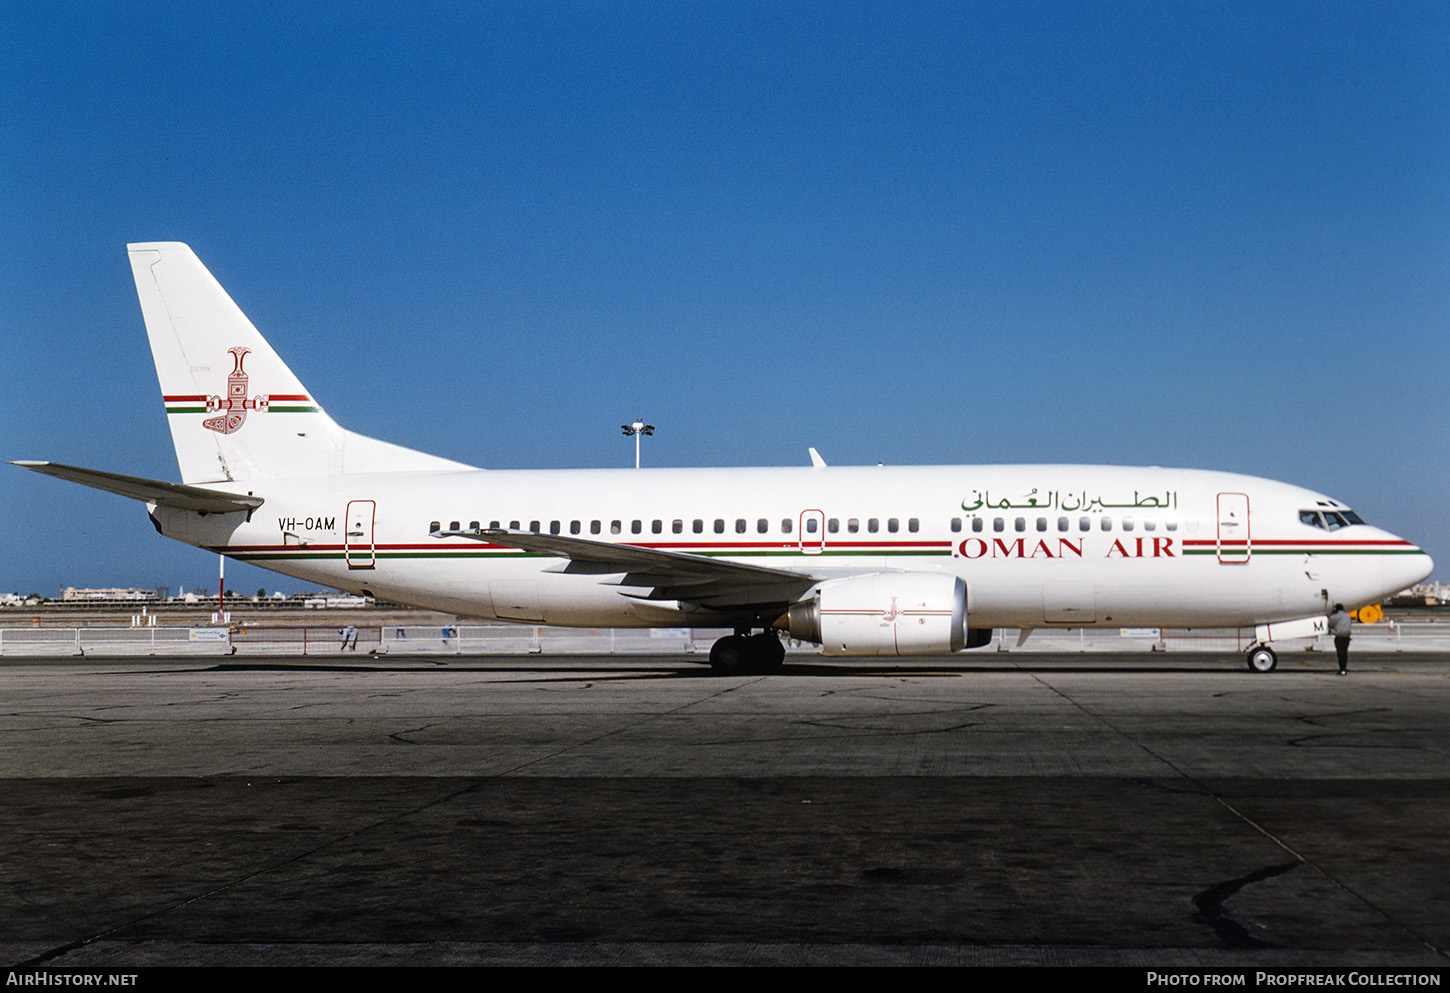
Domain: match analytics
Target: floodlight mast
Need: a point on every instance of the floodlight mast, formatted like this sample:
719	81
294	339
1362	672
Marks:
638	428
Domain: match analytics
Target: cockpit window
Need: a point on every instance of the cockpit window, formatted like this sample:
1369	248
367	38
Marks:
1329	520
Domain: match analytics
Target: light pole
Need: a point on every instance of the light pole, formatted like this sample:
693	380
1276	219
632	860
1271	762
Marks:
638	428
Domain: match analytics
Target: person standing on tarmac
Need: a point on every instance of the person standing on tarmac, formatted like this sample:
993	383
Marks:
1339	624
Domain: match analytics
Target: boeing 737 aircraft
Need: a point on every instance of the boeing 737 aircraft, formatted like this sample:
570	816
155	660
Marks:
862	561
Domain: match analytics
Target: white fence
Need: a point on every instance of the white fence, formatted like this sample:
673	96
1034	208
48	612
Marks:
504	639
38	641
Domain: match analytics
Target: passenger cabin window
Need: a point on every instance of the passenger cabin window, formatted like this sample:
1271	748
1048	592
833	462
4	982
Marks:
762	526
595	527
978	523
657	527
913	524
514	526
1020	524
1107	523
616	527
873	525
473	525
833	525
677	526
698	526
956	524
893	525
787	525
739	525
1063	524
636	527
493	525
453	525
719	525
810	525
1127	524
553	527
1042	524
434	527
573	527
999	524
1084	523
534	526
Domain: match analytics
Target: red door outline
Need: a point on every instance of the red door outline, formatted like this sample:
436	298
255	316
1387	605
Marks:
357	541
1235	544
813	544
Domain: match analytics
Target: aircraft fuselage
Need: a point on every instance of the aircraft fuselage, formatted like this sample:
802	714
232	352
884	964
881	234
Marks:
862	561
1037	546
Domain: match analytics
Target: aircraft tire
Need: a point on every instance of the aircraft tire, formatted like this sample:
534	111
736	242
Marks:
1263	659
737	654
767	652
730	656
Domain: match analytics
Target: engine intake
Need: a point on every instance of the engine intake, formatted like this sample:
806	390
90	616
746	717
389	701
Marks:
886	613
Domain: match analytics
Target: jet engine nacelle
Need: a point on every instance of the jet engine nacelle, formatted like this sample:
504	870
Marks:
885	613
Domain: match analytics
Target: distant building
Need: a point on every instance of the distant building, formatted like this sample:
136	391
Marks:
1434	593
72	594
1428	594
336	600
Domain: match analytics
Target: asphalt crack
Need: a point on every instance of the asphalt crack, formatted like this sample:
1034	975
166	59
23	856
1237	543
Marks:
1209	906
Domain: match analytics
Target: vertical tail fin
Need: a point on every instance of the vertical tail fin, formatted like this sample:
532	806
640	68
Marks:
236	411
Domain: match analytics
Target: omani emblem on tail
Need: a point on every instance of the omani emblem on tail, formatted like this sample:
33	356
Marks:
236	403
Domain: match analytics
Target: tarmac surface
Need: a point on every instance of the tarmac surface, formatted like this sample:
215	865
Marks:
988	809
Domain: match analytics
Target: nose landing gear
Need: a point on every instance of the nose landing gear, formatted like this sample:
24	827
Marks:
1262	659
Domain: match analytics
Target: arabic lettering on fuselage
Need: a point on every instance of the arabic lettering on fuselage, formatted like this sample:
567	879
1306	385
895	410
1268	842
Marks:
1035	499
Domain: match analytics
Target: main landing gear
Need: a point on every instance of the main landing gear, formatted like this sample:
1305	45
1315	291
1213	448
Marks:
1262	659
743	653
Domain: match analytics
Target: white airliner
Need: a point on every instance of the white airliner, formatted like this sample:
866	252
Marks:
915	560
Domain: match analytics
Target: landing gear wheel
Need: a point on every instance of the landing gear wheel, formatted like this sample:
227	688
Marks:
739	654
730	655
1262	659
767	650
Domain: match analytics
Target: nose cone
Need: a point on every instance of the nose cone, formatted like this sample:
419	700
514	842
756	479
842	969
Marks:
1403	567
1403	571
1379	565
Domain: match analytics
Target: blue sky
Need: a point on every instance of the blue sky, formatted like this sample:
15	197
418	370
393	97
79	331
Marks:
1203	234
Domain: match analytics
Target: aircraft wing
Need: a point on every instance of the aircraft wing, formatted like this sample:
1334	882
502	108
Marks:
711	582
165	494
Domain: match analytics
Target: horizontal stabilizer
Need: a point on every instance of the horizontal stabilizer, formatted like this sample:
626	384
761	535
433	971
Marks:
197	498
